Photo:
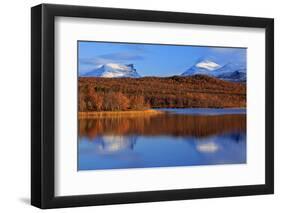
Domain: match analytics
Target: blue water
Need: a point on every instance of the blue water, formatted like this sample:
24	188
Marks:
205	111
119	143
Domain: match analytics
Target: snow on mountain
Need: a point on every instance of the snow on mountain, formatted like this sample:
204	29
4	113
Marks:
204	67
113	70
207	64
228	72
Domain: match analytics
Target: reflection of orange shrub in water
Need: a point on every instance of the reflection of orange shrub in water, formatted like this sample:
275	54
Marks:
163	124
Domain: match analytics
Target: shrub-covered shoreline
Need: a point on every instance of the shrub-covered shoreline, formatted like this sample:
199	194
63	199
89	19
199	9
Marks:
129	113
119	94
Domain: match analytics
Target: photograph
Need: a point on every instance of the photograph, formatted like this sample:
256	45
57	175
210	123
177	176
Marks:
160	105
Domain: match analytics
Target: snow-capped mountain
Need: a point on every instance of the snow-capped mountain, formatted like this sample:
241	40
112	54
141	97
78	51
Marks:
228	72
113	70
204	67
231	72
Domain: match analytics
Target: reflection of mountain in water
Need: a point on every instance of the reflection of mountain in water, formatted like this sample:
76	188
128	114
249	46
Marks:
113	152
117	143
222	149
217	143
211	144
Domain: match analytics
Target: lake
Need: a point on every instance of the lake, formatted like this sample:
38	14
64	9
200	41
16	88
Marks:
179	137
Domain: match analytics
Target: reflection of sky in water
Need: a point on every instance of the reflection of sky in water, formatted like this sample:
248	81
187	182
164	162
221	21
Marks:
131	151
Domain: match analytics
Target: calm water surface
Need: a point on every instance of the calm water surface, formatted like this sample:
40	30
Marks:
181	137
205	111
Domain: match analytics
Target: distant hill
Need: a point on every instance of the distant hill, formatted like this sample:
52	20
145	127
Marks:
171	92
229	72
113	70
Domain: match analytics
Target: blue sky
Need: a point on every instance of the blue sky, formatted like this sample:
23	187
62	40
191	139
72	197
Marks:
153	59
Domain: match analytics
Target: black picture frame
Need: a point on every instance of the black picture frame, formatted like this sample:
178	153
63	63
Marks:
43	102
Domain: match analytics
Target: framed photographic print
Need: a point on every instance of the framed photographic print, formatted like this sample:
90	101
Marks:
139	106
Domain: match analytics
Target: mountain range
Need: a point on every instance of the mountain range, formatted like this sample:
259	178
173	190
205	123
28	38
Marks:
228	72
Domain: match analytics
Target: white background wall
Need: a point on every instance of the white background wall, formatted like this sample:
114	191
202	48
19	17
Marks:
15	105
